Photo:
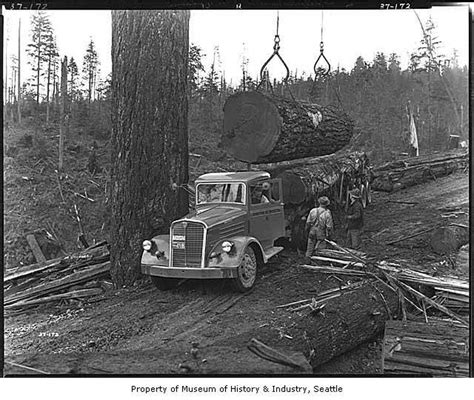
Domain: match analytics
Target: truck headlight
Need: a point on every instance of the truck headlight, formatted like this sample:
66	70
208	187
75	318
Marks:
147	245
227	246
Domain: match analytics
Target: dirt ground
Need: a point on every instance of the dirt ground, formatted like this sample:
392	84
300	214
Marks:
204	327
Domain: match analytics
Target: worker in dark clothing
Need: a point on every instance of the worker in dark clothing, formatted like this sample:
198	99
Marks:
355	220
319	226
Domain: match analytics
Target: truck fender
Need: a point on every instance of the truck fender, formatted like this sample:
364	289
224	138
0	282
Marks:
233	259
161	246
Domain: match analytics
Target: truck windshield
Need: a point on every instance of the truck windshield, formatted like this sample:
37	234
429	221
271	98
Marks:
220	193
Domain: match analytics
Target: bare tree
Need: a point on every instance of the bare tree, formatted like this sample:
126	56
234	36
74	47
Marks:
150	131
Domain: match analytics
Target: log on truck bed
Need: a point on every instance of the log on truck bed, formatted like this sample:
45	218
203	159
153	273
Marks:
263	128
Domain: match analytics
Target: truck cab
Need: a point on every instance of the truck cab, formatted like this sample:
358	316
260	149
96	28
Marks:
237	220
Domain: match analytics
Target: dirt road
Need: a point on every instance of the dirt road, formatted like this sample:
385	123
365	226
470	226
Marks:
204	327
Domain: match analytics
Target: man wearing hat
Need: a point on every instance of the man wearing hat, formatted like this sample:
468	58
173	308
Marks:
355	220
319	226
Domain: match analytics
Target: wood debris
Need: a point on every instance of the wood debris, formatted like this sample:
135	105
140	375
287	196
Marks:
436	348
72	277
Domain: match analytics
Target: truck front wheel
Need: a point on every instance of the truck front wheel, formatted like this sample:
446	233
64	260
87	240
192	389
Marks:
164	283
246	271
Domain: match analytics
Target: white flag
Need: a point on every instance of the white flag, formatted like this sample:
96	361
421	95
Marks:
413	135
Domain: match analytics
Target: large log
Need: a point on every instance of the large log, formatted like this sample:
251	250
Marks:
263	128
305	180
415	170
434	349
347	321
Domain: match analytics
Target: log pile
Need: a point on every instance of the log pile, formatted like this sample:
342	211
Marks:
76	276
415	170
438	348
264	128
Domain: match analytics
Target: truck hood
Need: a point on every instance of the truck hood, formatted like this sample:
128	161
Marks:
216	215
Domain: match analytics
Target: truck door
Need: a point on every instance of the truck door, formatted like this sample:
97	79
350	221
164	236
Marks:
267	221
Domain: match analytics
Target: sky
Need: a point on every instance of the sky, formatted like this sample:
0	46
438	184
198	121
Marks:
347	34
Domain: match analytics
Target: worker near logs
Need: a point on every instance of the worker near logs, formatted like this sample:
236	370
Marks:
354	220
319	226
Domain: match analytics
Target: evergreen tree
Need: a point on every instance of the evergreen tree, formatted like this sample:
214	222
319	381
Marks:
73	74
41	32
90	70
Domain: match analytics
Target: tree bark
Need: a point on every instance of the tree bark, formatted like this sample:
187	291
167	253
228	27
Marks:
63	117
261	128
149	135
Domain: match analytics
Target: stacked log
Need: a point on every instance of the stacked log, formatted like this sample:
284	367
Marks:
76	276
263	128
434	349
305	180
415	170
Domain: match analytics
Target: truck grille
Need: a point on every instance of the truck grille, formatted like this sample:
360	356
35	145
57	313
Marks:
187	248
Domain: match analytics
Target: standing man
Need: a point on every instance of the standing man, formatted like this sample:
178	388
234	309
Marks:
319	226
355	220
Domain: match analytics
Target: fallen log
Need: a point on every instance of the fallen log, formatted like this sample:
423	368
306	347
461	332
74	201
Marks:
449	239
263	128
434	349
347	321
413	171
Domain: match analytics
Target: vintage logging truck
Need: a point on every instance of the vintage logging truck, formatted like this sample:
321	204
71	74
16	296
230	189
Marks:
241	217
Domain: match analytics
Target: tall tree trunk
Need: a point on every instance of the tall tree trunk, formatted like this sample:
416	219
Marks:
63	116
150	131
47	89
38	72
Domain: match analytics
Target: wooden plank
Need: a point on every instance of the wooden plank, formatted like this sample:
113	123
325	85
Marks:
335	260
334	270
33	268
60	283
35	248
69	295
437	348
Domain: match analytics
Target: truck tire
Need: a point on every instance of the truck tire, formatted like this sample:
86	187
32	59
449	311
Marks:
246	271
164	283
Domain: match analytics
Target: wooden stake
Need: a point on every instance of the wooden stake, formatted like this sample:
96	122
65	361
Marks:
35	248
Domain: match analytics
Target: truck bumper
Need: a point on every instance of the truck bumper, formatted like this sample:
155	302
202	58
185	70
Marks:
188	273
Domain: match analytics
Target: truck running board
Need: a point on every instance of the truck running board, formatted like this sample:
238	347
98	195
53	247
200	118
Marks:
270	252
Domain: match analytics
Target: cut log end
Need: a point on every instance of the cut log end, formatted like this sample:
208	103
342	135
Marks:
252	126
449	239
